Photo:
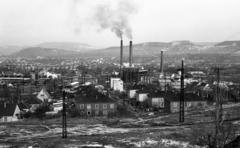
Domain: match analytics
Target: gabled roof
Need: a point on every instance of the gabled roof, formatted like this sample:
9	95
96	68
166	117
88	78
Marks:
188	97
93	97
191	87
172	97
137	86
23	105
157	94
45	93
193	97
33	101
8	110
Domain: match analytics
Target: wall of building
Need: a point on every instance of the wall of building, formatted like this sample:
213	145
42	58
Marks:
93	108
132	93
141	97
9	119
158	102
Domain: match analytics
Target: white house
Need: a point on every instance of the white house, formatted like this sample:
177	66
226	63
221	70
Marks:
44	95
9	112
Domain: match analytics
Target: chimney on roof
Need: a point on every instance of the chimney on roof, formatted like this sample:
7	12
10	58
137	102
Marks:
5	104
96	97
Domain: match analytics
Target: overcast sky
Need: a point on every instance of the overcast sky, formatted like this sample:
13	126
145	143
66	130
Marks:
30	22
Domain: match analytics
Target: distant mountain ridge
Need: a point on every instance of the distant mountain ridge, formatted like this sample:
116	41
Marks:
10	49
34	52
229	43
69	46
140	49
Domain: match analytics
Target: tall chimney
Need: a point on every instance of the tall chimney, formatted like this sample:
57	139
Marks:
121	57
130	54
161	63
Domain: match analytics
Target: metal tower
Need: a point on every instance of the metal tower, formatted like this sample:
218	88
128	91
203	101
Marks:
181	112
64	121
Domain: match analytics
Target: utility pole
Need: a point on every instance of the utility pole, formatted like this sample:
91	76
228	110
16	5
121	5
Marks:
64	118
181	112
54	88
217	70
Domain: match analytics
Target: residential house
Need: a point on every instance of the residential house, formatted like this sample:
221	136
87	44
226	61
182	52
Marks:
58	106
157	98
172	101
9	112
133	89
93	103
34	102
142	94
44	96
23	106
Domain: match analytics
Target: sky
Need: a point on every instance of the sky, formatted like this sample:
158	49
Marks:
102	23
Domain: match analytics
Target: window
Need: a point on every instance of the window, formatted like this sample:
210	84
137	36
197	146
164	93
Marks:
88	112
5	118
111	106
96	106
81	106
89	106
104	106
105	112
175	104
96	112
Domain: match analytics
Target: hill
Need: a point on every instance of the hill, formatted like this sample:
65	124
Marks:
10	49
69	46
33	52
229	43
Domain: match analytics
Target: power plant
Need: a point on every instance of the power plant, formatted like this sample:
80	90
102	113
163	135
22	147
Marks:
131	74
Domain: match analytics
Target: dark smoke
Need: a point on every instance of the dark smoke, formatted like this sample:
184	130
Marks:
116	19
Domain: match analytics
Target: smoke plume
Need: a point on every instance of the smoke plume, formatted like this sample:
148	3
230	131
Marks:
116	19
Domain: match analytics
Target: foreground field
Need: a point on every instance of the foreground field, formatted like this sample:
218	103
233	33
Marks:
152	132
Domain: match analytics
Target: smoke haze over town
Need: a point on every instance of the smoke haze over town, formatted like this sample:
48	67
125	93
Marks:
98	22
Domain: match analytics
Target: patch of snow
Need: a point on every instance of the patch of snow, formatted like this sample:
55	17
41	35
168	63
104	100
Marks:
180	144
142	143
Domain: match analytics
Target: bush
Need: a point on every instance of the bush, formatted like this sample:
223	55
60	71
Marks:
73	113
40	111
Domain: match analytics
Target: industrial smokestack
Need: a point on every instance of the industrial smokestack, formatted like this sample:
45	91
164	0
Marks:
121	57
130	54
121	54
161	64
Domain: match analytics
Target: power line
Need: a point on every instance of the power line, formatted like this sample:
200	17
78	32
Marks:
231	36
7	47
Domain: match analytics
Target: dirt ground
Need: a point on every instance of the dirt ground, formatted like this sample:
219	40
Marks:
152	132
